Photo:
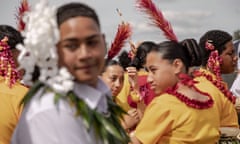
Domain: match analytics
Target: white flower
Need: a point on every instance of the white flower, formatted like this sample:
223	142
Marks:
63	82
39	49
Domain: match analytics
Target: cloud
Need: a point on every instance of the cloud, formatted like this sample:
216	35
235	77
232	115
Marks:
187	18
185	24
141	26
164	1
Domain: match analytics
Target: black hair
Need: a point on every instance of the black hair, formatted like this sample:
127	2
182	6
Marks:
218	38
124	59
75	9
110	62
187	50
14	36
140	58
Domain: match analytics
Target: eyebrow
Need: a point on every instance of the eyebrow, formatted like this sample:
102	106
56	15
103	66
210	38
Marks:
152	66
85	39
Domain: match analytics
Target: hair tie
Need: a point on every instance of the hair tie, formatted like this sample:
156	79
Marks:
209	45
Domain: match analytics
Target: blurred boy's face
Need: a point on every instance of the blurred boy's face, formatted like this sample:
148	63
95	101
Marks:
81	49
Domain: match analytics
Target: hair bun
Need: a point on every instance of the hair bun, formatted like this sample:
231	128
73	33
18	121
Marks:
193	50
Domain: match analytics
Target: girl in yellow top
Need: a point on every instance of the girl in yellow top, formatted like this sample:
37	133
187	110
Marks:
219	58
10	109
180	113
11	91
113	76
226	108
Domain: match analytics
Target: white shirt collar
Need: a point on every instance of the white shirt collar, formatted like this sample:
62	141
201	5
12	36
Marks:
94	97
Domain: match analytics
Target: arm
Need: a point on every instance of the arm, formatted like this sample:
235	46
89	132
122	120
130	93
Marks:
130	120
156	122
134	94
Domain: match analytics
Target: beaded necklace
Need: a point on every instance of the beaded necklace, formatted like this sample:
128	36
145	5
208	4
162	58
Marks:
188	81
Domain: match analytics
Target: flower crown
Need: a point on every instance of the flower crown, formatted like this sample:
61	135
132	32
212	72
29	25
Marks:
7	66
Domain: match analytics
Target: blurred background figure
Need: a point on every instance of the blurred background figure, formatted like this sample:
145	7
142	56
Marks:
236	84
113	76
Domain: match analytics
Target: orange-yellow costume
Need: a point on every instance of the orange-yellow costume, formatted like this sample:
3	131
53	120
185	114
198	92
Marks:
167	120
121	98
226	109
9	108
126	98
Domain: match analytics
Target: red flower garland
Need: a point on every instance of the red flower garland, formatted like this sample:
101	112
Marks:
214	60
218	83
7	66
188	81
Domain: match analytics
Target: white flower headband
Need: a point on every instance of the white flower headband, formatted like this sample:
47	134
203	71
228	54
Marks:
39	49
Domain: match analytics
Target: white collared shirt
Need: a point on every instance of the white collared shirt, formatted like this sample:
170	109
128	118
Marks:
235	89
45	122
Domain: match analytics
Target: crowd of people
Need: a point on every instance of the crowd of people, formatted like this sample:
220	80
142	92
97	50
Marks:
58	86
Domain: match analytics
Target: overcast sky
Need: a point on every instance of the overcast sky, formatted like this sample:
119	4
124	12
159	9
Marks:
189	18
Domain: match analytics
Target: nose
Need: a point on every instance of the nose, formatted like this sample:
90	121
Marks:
83	52
235	58
117	83
149	78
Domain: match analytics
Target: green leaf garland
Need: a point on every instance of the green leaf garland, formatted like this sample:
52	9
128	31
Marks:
107	127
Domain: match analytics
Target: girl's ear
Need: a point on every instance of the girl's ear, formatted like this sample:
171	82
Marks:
178	66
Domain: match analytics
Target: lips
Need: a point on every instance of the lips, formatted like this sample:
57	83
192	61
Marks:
83	67
115	91
152	86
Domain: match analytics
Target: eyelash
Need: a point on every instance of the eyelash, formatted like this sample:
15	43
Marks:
74	46
112	78
92	42
231	54
152	70
71	46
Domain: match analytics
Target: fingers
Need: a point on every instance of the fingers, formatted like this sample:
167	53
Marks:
131	69
134	113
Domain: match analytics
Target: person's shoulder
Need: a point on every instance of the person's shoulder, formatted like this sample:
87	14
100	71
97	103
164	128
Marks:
164	99
204	84
15	90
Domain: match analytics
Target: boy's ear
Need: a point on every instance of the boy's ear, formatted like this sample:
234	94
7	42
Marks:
105	43
178	66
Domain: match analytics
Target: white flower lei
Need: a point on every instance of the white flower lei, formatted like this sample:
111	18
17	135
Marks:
39	49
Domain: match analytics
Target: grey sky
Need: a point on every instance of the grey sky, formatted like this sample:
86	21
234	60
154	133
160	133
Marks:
189	18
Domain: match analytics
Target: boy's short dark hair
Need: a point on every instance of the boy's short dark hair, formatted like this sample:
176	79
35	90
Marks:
14	36
75	9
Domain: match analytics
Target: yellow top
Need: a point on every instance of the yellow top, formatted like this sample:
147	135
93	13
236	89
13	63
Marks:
167	120
226	109
121	98
9	109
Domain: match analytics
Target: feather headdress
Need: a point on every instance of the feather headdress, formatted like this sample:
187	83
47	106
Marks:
24	7
156	16
123	33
